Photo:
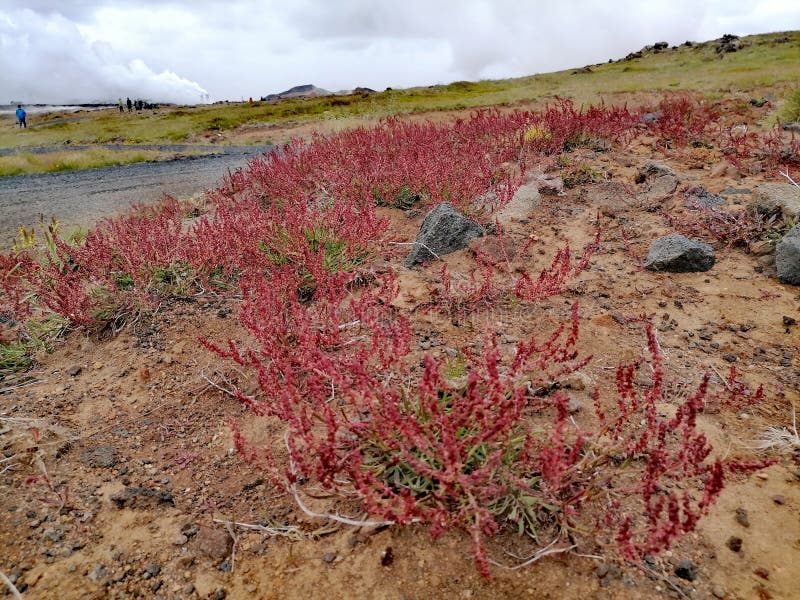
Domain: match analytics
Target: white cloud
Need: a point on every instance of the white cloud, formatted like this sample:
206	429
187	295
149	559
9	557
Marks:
243	48
46	58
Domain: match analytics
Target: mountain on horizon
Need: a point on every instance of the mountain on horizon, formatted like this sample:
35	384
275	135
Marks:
307	90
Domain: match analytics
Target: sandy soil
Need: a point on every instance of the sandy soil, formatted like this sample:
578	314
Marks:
147	411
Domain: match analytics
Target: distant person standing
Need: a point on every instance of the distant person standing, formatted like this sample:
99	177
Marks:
130	105
21	116
121	106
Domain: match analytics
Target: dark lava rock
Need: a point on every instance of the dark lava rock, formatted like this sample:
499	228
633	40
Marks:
444	230
675	253
151	570
787	257
701	197
100	457
139	497
789	321
686	569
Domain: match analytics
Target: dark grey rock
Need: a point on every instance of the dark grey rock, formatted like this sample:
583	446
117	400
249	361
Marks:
444	230
226	566
686	569
701	197
675	253
735	191
140	497
653	169
54	534
74	371
652	117
787	257
151	570
100	457
791	126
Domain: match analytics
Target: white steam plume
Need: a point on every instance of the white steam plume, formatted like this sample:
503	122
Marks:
46	59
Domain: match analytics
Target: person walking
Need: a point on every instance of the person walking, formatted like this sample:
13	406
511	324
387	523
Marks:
21	116
130	105
121	106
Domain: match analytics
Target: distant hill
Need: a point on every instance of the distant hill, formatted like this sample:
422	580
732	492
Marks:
299	91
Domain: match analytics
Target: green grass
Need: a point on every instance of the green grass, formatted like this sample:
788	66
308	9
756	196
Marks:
768	60
54	162
40	335
791	110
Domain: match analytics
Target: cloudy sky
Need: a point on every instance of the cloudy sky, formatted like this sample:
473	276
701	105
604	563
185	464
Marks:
189	50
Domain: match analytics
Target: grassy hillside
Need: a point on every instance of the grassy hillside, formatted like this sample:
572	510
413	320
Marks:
768	60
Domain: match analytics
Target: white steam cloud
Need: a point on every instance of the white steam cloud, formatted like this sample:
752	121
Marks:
46	58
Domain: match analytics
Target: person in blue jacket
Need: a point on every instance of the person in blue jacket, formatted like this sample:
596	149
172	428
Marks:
21	116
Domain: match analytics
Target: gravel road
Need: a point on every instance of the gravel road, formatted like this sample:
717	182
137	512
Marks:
83	197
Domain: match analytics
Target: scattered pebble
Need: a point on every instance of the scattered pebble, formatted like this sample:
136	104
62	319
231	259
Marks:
98	573
718	591
742	518
686	569
779	499
74	370
734	543
329	557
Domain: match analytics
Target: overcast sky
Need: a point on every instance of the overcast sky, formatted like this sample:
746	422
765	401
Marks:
186	50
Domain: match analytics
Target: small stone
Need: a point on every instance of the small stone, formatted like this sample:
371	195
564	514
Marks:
74	370
151	570
140	497
762	572
718	591
574	405
742	517
100	457
98	573
214	543
155	586
675	253
190	529
734	543
53	534
602	570
779	499
179	540
686	569
789	321
730	357
218	594
576	381
226	566
188	588
329	557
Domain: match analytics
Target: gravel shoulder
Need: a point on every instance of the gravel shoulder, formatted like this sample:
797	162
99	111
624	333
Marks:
82	197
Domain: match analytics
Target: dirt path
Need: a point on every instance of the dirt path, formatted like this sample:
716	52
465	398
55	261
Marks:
83	197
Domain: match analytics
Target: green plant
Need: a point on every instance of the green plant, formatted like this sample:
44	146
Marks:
791	110
36	334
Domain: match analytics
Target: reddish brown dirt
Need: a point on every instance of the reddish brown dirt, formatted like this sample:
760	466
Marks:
153	400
